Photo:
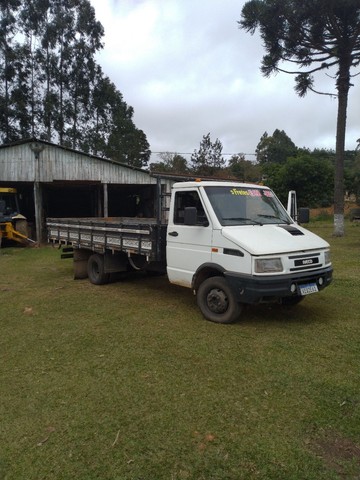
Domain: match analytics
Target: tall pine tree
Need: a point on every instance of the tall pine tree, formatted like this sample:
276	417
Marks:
304	38
51	86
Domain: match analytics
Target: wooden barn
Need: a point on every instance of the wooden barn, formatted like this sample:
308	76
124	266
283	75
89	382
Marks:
55	181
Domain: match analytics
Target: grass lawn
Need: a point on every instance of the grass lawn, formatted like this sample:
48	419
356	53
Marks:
128	382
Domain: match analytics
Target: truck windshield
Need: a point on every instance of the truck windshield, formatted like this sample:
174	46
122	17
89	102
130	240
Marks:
246	206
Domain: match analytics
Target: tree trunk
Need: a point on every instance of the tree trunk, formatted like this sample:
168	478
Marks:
343	90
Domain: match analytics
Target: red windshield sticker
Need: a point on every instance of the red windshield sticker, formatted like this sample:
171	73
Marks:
268	193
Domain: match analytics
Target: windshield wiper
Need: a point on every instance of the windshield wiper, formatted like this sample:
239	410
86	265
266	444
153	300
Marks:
244	219
275	218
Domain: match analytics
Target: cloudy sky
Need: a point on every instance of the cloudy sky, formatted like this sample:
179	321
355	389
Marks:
187	69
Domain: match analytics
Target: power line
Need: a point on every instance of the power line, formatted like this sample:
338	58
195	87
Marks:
190	153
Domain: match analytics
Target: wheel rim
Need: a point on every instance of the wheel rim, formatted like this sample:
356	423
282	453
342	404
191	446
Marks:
95	269
217	301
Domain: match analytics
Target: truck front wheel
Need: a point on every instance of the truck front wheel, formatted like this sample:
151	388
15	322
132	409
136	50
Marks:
96	271
217	302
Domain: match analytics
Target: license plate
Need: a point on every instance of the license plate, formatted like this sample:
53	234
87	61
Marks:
308	288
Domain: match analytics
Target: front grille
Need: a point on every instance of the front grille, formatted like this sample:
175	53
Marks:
309	261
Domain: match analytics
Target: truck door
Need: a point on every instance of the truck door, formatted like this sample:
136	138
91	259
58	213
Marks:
188	246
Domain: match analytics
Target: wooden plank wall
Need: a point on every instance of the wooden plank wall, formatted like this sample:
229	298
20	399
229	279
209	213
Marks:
18	164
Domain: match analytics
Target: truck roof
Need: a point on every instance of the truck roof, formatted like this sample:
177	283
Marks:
209	183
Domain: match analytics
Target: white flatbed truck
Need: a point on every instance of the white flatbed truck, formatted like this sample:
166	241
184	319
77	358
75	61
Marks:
231	243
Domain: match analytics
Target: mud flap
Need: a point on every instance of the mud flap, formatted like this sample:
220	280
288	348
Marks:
81	258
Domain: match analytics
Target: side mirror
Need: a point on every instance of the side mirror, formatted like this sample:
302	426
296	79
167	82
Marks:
303	215
292	205
190	215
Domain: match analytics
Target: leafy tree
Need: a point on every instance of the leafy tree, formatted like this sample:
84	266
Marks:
313	35
170	162
244	170
179	164
311	178
323	153
352	176
208	160
351	166
103	98
125	143
275	148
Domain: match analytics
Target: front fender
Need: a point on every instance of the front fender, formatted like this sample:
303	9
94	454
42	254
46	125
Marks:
205	271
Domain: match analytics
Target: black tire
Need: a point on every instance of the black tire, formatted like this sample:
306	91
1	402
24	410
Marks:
95	270
217	302
291	301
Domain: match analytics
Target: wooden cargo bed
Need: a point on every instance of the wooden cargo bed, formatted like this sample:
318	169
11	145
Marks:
142	236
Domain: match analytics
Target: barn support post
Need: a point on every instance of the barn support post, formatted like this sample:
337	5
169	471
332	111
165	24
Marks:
106	200
39	224
37	148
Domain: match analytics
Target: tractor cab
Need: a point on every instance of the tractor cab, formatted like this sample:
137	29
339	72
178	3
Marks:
13	225
9	205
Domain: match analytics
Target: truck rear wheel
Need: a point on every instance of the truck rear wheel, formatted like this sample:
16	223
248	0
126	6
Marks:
96	270
217	302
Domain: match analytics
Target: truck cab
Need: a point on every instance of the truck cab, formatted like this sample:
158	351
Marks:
235	244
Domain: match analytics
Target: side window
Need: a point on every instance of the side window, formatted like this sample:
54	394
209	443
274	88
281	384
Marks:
188	199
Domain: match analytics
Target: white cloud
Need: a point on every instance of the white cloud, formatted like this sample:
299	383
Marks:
187	70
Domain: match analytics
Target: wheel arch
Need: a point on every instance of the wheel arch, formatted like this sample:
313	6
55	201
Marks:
205	271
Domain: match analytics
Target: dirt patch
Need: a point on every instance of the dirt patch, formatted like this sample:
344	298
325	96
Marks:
329	211
339	454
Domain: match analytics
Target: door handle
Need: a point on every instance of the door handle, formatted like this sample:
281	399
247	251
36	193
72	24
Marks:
173	234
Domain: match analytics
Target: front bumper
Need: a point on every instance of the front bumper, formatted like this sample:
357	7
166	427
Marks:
255	289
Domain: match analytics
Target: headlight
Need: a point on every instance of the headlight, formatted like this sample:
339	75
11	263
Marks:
268	265
327	257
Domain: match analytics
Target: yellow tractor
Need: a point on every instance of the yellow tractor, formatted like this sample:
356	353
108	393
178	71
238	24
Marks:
13	225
